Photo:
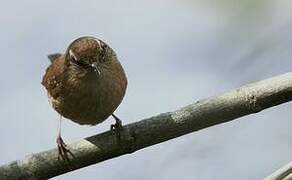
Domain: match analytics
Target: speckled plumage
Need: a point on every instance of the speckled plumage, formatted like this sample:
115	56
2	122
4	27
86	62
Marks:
87	83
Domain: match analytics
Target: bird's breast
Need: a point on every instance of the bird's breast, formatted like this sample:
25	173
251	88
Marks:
90	99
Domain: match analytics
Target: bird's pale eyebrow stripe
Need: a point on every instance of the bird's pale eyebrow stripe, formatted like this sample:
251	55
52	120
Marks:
72	54
98	42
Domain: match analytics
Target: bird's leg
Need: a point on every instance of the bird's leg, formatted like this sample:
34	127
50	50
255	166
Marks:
117	127
63	151
118	124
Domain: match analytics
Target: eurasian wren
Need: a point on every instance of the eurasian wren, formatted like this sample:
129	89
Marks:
85	84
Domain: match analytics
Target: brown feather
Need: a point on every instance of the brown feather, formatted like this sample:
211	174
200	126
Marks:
77	93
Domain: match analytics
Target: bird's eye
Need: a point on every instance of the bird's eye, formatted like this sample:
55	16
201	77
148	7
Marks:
82	64
75	60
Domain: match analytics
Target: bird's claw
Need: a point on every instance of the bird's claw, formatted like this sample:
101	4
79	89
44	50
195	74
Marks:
118	125
63	150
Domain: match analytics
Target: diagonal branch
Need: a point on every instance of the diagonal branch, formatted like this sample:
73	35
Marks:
202	114
284	173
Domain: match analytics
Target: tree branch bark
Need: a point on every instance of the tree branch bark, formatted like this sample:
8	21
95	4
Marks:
202	114
284	173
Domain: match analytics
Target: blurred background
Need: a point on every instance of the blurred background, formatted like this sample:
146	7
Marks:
175	52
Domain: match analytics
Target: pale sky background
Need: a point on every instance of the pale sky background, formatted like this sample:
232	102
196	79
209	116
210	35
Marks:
175	52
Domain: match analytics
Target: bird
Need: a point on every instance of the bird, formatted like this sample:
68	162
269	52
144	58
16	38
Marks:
85	84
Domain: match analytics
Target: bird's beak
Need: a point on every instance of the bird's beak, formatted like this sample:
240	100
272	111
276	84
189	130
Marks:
96	70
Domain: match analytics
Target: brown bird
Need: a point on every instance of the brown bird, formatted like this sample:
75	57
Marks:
85	84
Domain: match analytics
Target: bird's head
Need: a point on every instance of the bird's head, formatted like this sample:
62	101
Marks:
87	53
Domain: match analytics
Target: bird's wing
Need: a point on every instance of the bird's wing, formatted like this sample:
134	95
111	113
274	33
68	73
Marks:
52	80
54	56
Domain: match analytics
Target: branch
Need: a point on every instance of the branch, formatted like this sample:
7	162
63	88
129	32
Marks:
202	114
284	173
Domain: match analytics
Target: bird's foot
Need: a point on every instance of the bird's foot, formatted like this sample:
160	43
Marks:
63	150
118	125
